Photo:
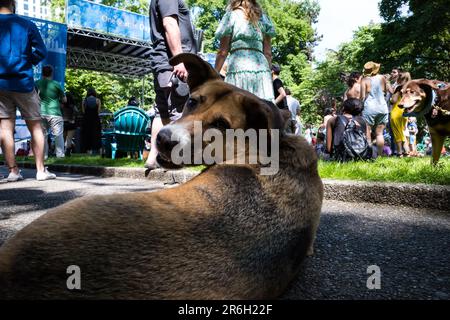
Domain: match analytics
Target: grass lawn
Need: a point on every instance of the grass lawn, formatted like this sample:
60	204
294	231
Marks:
410	170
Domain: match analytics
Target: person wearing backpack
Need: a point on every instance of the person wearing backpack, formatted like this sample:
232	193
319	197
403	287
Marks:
350	135
91	129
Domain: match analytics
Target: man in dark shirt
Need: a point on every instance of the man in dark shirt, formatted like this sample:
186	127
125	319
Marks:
172	33
278	88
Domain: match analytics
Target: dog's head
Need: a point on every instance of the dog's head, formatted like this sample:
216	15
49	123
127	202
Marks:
215	105
417	95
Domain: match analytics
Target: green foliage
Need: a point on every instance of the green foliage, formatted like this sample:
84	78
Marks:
113	90
418	41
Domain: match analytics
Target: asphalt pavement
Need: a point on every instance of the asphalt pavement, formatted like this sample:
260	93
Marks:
411	247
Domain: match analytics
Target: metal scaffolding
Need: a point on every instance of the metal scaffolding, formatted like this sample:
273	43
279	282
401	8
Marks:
107	53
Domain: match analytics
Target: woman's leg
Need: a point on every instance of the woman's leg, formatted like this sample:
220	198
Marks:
380	138
399	145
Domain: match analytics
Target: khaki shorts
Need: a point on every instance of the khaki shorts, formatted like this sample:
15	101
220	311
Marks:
29	105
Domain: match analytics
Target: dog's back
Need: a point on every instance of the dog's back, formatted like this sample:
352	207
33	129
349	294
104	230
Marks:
231	238
230	233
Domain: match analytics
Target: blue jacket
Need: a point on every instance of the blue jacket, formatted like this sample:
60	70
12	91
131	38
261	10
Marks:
21	47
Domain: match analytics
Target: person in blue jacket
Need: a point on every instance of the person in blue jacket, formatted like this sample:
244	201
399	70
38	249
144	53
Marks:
21	47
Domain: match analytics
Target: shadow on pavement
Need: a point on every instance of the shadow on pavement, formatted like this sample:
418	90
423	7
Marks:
413	258
35	199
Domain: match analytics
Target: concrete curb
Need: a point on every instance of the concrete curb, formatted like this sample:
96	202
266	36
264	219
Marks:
401	194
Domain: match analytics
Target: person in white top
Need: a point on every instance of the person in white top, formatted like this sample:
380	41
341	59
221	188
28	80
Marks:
295	125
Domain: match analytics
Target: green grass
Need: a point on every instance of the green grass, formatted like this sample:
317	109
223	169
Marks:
408	170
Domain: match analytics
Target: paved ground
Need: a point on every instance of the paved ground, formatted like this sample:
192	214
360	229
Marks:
411	246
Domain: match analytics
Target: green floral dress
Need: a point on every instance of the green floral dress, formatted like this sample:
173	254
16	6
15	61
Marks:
248	68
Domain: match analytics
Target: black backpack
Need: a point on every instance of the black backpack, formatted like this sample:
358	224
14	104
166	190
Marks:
354	145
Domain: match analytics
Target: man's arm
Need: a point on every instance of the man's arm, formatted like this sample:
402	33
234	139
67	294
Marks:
99	106
281	96
62	95
281	92
363	91
173	36
330	125
39	50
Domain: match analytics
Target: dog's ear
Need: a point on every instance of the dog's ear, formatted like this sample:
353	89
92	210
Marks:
426	87
199	71
433	84
261	114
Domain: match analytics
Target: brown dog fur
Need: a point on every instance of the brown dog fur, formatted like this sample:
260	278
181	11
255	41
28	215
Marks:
230	233
416	94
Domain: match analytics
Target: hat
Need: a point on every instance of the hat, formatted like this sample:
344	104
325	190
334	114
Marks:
371	68
276	68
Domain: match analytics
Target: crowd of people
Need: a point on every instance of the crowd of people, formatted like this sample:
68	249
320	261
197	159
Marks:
244	59
371	102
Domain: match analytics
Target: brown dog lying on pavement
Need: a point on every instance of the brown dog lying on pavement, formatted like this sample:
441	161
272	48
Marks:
230	233
430	99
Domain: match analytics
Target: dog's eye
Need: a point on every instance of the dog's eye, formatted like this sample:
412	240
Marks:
192	103
221	124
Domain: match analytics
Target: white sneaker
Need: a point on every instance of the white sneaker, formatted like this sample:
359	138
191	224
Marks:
46	175
13	177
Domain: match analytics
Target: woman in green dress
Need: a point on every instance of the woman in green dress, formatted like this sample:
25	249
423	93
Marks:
245	33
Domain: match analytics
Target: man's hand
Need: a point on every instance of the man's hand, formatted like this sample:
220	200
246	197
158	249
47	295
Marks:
180	71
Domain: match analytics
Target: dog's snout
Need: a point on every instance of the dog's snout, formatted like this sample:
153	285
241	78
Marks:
164	142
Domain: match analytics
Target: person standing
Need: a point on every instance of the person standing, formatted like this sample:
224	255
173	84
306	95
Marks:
354	86
413	130
294	107
171	33
394	82
69	111
21	47
91	129
278	87
397	120
52	95
245	32
375	113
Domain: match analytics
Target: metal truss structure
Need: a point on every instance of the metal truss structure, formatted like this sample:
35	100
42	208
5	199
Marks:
107	53
107	62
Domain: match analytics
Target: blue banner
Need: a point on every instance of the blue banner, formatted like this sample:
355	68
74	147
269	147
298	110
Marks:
103	19
55	39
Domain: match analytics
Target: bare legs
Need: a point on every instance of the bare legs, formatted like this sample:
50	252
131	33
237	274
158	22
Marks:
380	138
37	143
157	124
7	139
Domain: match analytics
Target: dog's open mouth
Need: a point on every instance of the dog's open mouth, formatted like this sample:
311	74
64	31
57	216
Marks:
413	107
